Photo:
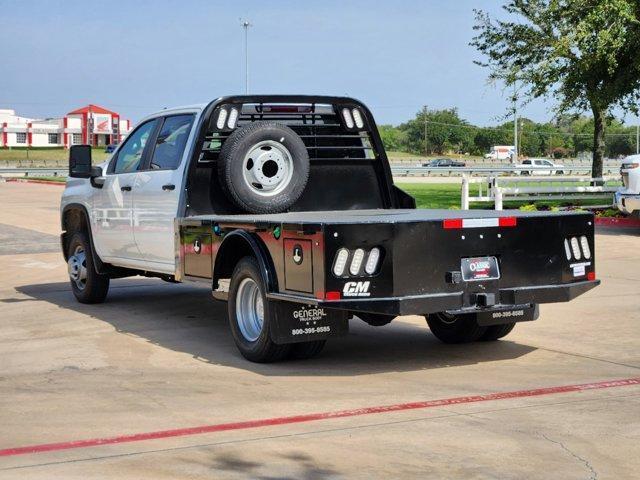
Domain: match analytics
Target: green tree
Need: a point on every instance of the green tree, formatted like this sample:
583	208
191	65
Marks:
583	53
445	131
392	137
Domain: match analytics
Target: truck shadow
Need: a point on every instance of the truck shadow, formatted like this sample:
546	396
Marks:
185	318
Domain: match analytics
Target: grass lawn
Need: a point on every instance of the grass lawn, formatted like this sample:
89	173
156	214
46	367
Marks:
447	195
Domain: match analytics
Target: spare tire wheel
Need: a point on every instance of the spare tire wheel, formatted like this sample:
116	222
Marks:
263	167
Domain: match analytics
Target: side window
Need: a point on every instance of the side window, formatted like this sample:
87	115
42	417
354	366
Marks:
526	162
130	154
171	142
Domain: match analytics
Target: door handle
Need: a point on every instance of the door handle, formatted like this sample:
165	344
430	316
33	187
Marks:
168	187
126	188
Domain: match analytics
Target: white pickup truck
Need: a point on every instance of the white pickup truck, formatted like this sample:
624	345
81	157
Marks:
627	198
285	207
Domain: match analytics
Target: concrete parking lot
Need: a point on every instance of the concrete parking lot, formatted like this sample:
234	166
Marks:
152	382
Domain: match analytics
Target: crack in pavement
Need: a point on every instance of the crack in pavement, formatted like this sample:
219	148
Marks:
584	461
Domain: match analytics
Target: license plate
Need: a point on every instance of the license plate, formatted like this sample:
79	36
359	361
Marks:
479	268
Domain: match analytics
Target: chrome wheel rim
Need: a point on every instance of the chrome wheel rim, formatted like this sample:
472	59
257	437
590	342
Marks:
77	267
249	310
268	168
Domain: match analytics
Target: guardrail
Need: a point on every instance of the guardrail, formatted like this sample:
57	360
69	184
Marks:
497	194
34	172
401	171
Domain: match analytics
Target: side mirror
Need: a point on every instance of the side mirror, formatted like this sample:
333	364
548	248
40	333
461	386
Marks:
80	161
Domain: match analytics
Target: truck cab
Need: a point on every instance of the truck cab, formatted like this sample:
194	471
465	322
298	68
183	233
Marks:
285	207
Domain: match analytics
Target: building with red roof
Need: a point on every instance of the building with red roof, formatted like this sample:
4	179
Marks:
91	124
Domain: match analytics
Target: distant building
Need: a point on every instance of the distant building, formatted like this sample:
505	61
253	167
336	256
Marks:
93	125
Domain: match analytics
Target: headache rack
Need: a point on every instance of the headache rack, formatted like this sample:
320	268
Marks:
329	133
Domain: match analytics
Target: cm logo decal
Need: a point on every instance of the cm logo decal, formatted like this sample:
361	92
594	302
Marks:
356	289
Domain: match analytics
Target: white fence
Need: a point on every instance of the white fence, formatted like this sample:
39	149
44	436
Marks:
497	189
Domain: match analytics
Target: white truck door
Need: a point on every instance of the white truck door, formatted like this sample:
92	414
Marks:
112	218
157	192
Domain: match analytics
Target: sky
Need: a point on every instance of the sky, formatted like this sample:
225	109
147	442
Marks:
136	57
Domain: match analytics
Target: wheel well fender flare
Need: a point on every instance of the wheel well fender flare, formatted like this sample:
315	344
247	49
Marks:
76	218
236	245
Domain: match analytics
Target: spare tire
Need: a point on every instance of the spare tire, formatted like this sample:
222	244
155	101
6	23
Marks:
263	167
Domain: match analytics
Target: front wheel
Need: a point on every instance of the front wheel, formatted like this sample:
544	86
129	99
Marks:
455	328
250	315
87	284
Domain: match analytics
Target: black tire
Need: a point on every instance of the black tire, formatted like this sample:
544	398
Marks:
304	350
282	154
455	329
375	319
262	349
494	332
95	286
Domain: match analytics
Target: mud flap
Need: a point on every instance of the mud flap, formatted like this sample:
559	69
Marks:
295	322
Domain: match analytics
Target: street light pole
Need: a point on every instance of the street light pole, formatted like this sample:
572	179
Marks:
246	24
515	123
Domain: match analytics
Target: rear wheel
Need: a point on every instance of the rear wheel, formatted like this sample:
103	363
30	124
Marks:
87	284
455	328
494	332
250	315
305	350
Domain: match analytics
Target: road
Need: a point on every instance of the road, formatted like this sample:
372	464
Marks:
158	360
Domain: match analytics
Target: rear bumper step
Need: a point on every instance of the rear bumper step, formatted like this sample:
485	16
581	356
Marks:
434	303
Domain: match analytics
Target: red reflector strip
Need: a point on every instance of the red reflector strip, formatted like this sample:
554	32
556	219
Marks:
507	221
452	223
455	223
591	275
332	296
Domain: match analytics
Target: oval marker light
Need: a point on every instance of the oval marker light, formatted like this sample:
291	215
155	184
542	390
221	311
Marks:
348	119
575	248
222	117
567	249
340	262
356	262
233	117
372	262
585	247
358	118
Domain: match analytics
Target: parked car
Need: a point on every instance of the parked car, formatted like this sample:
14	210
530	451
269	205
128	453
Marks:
540	166
110	148
443	162
218	194
627	198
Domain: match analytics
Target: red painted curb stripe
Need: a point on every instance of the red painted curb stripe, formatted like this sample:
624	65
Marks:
35	181
268	422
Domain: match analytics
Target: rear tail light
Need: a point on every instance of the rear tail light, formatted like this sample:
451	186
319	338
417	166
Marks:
361	262
576	248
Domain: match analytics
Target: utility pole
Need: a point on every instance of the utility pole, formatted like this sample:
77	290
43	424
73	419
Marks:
246	24
637	139
426	149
